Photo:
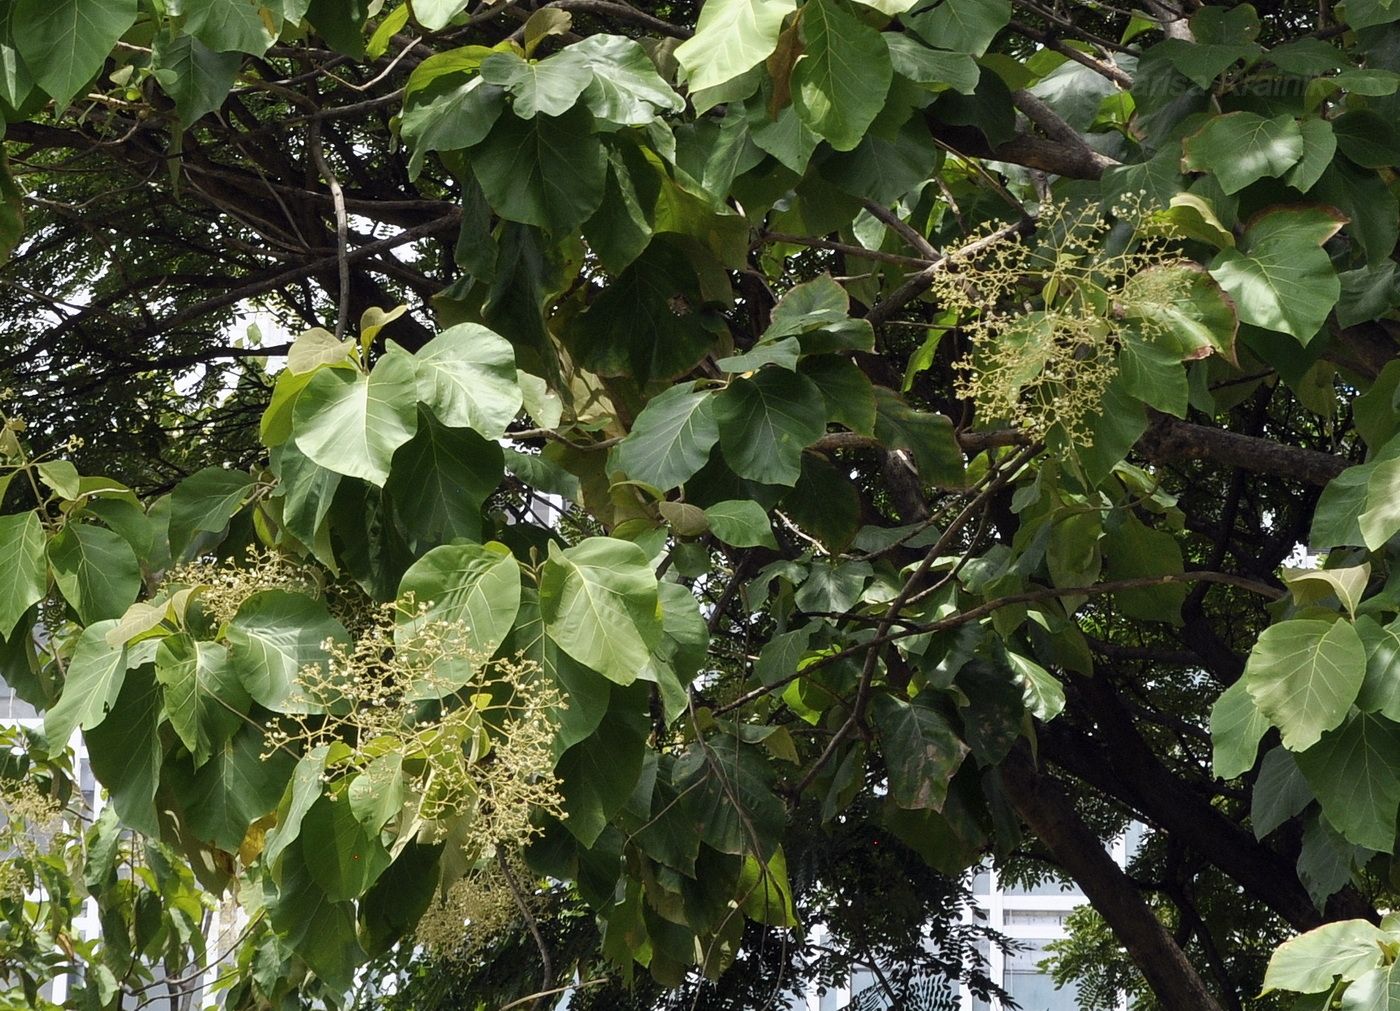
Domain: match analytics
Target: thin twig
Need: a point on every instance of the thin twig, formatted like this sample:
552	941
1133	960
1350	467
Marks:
342	228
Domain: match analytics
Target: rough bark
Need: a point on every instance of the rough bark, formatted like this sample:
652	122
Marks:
1044	807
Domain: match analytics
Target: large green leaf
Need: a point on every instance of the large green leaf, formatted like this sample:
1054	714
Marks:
599	774
963	26
205	500
243	26
1380	692
1242	147
839	85
124	750
1236	728
351	423
600	605
1280	278
671	439
1195	319
65	42
1304	674
732	36
451	113
1380	520
587	693
1309	962
272	637
742	523
96	671
23	567
239	784
547	171
477	585
466	376
766	421
204	700
195	76
1355	772
626	89
95	569
440	480
344	858
549	86
922	751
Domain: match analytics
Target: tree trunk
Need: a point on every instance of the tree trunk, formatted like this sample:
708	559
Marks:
1048	812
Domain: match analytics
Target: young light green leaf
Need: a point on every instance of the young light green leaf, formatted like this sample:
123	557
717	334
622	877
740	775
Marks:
1309	962
95	675
1236	728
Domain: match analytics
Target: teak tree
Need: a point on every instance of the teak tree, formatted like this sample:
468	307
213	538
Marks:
740	467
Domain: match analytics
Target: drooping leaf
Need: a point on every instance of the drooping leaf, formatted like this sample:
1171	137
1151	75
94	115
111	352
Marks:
205	500
839	86
272	637
922	751
766	421
599	603
23	567
239	784
1280	278
1304	674
96	672
732	36
1355	772
125	751
547	171
65	42
440	479
1236	728
351	423
95	569
204	700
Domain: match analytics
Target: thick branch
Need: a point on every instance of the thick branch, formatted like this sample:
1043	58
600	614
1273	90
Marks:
1044	807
